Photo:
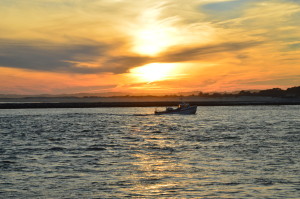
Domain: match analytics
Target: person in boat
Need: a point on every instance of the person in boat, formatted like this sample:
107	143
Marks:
183	105
169	109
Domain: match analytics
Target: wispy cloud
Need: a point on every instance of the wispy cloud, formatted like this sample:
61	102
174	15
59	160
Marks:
201	53
67	58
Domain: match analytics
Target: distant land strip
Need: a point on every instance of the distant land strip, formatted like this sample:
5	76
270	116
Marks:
138	104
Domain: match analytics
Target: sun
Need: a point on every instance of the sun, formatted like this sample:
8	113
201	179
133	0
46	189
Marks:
153	72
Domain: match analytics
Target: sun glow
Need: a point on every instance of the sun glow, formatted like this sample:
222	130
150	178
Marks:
153	40
153	72
154	34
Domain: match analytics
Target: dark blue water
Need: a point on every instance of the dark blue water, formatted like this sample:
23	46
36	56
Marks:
221	152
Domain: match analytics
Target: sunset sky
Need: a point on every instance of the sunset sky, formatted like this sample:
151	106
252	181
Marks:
148	46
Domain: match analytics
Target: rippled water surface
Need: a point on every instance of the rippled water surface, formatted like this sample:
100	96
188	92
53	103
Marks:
221	152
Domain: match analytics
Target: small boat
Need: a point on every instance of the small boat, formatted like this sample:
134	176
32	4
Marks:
183	108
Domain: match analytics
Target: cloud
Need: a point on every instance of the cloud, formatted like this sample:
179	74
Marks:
283	80
199	53
121	64
97	58
45	57
70	58
77	37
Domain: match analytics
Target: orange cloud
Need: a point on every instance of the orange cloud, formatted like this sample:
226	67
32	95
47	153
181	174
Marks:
31	82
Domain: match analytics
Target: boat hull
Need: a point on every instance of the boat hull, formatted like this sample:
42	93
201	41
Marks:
184	111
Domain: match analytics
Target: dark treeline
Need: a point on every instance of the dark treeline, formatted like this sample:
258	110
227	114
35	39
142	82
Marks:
274	92
291	95
293	92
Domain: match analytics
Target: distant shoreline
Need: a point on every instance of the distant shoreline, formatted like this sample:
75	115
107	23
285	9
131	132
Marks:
27	103
33	105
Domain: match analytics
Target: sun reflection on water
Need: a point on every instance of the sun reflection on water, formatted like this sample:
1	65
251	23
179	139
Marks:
156	168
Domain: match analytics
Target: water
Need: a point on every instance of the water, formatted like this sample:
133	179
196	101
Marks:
222	152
